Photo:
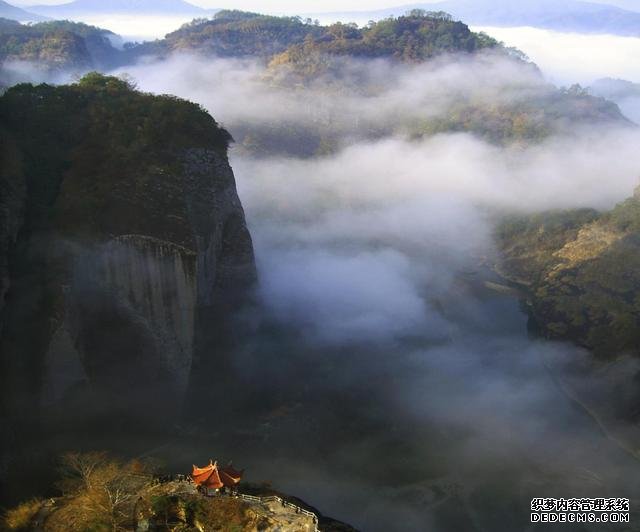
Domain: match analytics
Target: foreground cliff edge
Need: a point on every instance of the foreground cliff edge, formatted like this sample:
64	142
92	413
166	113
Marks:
98	492
124	256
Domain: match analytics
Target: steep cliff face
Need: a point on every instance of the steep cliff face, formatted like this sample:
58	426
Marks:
124	236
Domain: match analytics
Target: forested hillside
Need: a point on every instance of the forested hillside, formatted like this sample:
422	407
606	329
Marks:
581	273
336	59
58	45
415	36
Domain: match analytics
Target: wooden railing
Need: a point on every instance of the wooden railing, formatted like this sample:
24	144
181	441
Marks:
251	498
275	498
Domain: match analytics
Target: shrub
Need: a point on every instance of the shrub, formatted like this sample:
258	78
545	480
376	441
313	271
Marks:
21	517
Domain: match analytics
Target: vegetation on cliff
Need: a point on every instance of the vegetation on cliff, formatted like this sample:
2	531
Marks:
581	272
85	164
90	150
98	492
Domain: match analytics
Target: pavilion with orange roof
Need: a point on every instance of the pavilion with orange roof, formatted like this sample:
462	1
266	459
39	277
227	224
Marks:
210	479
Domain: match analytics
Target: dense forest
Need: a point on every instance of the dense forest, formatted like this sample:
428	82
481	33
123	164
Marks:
415	36
60	132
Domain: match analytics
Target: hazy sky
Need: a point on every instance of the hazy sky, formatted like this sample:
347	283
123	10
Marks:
275	5
567	58
298	6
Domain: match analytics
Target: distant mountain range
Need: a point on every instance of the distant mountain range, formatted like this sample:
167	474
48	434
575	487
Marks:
624	93
80	8
15	13
615	88
560	15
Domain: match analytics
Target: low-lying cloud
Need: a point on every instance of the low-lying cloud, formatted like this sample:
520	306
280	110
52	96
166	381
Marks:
411	214
322	224
137	28
567	58
369	93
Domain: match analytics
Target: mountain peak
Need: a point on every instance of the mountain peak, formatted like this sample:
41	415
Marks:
15	13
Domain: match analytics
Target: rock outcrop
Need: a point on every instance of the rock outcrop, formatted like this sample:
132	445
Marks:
122	237
580	273
174	505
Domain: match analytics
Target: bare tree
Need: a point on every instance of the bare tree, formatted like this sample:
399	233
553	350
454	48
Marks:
100	491
78	469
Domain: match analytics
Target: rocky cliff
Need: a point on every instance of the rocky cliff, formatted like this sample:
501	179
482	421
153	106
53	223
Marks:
122	237
172	505
580	271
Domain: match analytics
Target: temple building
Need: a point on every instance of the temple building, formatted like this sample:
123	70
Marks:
211	479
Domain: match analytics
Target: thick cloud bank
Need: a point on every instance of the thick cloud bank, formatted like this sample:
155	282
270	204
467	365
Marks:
361	233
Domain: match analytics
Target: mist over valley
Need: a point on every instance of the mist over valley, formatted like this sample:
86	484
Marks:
390	270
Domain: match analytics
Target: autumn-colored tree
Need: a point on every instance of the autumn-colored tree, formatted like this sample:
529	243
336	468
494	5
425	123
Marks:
100	493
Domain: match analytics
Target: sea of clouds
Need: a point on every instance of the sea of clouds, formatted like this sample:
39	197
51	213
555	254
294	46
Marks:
406	377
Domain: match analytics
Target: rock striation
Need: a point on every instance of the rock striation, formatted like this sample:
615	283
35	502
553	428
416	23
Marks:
122	237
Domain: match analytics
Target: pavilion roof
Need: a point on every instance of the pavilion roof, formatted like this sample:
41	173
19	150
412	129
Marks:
211	476
230	476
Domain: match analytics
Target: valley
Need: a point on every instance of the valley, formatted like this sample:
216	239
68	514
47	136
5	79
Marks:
390	269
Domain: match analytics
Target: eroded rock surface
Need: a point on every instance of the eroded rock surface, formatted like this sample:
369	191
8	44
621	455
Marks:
123	239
